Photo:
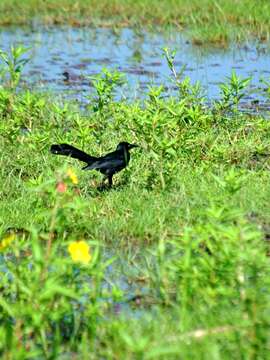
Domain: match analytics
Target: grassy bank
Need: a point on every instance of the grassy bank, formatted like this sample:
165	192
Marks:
173	259
207	21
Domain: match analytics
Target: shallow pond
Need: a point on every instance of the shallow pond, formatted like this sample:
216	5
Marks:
82	52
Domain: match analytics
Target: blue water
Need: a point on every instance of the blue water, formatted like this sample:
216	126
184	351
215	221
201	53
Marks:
85	51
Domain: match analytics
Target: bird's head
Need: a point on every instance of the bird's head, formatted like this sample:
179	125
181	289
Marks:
125	146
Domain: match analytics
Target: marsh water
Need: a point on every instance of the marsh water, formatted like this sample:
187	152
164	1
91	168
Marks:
83	52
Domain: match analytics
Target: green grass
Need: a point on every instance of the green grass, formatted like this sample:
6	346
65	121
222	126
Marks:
186	224
207	21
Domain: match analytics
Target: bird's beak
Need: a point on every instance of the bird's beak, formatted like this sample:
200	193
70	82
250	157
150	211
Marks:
133	146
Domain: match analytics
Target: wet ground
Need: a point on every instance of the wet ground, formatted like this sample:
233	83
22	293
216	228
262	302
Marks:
132	294
82	52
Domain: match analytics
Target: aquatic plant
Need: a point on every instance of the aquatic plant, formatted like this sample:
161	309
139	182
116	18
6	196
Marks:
192	93
13	64
232	92
105	85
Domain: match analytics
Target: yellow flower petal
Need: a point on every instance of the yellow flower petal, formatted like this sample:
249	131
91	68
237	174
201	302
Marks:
73	177
80	252
6	241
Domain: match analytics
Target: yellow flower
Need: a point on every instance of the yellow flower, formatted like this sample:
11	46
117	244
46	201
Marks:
80	252
73	177
6	241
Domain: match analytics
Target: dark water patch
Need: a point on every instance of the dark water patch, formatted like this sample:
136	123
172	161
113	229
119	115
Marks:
104	61
140	71
80	66
154	63
237	67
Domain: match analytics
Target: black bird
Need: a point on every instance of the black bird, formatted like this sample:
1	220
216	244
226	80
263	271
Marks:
108	165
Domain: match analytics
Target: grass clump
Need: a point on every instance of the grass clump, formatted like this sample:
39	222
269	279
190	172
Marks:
214	22
171	262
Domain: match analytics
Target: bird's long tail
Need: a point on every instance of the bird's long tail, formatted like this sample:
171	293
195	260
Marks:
69	150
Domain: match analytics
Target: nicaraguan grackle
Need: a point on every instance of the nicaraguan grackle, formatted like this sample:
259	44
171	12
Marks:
108	164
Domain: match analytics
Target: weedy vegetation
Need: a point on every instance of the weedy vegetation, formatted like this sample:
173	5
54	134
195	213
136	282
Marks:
172	262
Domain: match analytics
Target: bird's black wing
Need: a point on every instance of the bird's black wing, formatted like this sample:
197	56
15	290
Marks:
69	150
110	163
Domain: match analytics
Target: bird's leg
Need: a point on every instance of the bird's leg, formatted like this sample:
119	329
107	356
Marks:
110	180
104	181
